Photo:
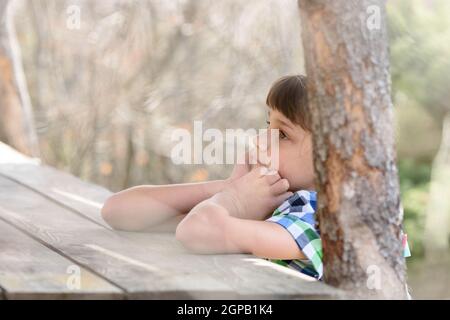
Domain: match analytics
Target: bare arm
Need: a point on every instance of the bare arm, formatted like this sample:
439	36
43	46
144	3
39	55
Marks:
161	208
145	207
210	229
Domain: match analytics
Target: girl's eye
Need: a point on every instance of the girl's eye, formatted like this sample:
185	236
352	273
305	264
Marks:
282	134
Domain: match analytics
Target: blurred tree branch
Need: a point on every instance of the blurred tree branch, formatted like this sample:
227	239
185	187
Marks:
16	122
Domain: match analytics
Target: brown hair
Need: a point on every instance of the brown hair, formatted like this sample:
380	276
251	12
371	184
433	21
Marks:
288	95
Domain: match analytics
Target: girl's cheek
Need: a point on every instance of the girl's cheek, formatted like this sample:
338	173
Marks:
282	161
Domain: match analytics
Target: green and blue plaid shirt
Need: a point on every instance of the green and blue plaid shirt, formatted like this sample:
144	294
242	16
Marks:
297	216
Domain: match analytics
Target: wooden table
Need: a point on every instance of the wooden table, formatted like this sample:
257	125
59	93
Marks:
55	245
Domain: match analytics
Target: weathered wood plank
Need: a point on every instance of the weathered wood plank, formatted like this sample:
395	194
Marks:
161	268
132	266
83	198
30	270
9	155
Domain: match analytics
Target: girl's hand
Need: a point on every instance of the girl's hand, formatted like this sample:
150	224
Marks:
240	169
255	195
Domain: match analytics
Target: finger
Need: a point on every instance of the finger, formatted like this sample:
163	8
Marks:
271	178
279	187
259	170
283	197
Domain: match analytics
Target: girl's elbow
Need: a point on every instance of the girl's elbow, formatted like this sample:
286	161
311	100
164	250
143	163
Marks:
110	213
185	234
193	232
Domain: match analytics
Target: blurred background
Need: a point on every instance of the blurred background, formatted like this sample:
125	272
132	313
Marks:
105	93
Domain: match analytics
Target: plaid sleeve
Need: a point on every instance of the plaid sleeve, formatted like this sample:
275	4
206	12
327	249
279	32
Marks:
307	239
296	216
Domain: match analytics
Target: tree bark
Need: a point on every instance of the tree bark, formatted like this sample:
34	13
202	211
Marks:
16	117
359	209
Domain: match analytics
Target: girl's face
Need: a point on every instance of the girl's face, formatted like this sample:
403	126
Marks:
295	152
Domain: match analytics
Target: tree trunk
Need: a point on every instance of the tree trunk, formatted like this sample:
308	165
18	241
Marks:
359	209
16	118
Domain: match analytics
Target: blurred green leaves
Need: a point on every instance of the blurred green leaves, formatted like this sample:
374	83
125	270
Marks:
414	186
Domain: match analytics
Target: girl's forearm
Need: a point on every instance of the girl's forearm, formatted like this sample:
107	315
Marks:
142	207
180	198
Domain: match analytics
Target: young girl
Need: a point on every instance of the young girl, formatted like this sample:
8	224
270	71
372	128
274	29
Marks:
270	215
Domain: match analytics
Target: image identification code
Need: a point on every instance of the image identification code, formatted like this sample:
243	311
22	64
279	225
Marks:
232	309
